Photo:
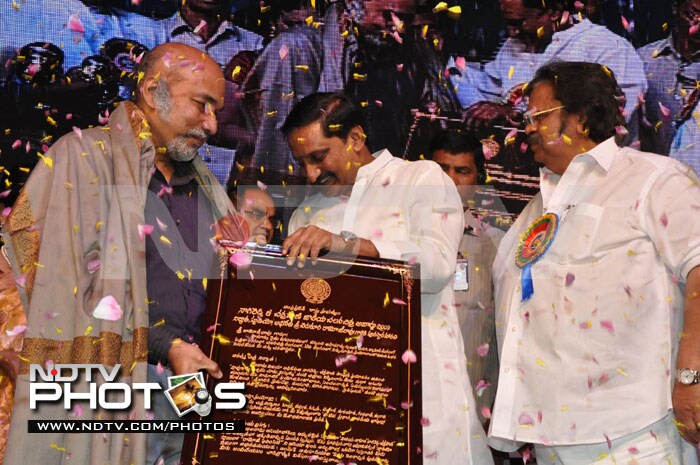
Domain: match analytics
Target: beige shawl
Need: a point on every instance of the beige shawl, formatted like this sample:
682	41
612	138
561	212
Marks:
81	208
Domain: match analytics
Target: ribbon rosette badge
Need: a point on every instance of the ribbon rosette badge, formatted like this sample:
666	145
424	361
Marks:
533	245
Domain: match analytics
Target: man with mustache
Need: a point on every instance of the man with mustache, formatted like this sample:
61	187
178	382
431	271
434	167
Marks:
669	125
597	286
110	240
377	205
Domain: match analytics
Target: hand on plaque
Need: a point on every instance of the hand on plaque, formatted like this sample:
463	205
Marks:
307	242
187	358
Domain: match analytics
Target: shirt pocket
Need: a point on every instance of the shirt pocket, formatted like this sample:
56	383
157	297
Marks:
576	235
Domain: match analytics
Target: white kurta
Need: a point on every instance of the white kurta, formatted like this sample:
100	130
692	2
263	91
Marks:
411	211
590	357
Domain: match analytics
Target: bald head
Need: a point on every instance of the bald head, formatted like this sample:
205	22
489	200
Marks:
174	61
179	92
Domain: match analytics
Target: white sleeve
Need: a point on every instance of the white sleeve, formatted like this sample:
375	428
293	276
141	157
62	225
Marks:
435	222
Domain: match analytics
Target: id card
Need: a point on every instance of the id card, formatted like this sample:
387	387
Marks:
461	282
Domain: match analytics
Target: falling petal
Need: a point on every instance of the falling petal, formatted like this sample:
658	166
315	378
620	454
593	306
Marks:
77	411
78	131
570	277
608	441
167	58
409	357
94	265
144	230
284	51
606	324
424	421
241	259
633	450
342	360
398	301
19	329
481	386
21	280
161	225
212	327
108	309
625	23
525	420
75	25
199	27
485	412
664	220
665	112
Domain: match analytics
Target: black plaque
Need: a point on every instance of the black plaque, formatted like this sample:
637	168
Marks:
326	353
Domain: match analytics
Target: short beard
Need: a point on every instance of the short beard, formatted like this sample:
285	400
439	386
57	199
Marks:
177	149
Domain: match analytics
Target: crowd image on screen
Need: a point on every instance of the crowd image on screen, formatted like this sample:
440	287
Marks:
413	67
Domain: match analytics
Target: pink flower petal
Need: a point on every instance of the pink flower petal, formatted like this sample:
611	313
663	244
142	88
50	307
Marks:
525	420
167	59
665	112
284	51
461	63
21	280
77	411
75	24
625	23
398	301
94	265
199	27
144	230
570	277
78	131
424	421
159	368
483	350
409	357
6	211
606	324
17	330
241	259
108	309
342	360
664	220
481	386
485	412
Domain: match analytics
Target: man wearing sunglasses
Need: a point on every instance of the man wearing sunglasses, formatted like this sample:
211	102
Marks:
597	288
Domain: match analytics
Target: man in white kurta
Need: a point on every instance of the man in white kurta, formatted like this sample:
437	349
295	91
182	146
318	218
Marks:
588	360
399	210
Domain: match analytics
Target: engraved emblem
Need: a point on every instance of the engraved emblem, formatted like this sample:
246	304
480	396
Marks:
315	290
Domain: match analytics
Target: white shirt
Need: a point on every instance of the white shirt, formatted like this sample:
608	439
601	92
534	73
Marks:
411	211
591	355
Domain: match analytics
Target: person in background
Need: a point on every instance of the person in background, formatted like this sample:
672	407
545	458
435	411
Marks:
258	210
540	32
461	157
669	125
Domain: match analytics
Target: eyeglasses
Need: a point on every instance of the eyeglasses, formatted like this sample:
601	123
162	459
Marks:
259	215
533	118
